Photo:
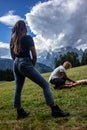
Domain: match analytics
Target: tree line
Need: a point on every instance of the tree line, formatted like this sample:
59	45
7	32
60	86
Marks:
73	58
6	75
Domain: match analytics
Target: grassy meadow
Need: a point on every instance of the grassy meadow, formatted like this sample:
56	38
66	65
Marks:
73	100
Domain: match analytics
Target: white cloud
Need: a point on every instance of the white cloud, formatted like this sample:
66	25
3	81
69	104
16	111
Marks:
4	50
41	43
4	45
10	19
56	23
59	23
82	46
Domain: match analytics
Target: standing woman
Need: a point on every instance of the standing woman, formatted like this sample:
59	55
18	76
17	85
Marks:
20	47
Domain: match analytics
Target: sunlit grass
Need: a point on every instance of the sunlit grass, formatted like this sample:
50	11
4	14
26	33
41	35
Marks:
73	100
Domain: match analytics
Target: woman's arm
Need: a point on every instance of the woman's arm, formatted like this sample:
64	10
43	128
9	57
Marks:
67	78
34	55
70	80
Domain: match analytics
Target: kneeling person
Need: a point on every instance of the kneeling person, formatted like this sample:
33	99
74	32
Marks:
58	77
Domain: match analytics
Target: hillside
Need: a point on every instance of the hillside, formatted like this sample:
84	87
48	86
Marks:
8	64
73	100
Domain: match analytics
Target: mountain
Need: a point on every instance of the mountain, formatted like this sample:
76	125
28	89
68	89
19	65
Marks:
49	57
45	59
43	68
8	64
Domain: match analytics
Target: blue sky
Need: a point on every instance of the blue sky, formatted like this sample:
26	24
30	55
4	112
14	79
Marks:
20	8
52	23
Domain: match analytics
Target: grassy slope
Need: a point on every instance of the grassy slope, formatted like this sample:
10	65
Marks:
74	100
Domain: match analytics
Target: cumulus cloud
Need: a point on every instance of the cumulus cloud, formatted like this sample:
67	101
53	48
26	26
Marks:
4	45
4	50
9	18
59	23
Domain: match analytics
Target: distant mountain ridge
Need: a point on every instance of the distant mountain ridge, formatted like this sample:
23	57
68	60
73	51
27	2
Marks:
45	59
8	64
48	57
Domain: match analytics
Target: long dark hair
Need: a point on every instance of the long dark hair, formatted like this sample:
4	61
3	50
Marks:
18	31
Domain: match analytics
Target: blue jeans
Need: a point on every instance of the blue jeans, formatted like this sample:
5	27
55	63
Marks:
23	68
58	81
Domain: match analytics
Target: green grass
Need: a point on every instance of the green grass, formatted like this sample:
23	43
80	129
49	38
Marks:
73	100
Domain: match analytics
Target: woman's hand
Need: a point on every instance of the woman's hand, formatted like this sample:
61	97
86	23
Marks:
34	55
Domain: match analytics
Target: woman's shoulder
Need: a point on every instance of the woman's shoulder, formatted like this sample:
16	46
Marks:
27	36
61	67
28	40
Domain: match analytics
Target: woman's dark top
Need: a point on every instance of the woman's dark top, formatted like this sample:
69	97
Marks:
26	43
